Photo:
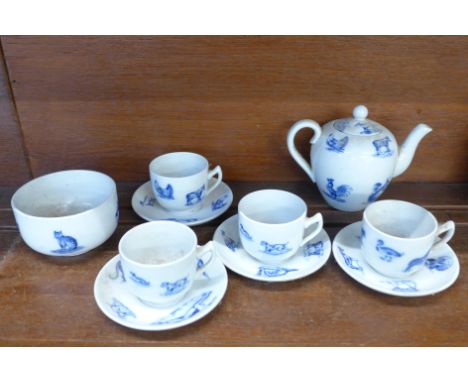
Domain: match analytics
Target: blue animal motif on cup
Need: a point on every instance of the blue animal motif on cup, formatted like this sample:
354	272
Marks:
182	220
363	233
121	310
381	147
415	262
340	193
67	244
274	271
441	263
164	193
377	190
172	288
274	249
118	271
148	201
194	197
388	254
341	124
230	243
313	249
336	145
244	233
350	261
139	280
403	285
219	203
188	309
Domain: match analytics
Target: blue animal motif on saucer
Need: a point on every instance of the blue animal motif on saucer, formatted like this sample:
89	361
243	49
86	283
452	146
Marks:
441	263
194	197
139	280
350	261
121	310
336	145
219	203
164	193
274	249
377	190
182	220
381	147
118	271
313	249
340	193
415	262
67	244
230	243
274	271
187	310
148	201
403	285
388	254
244	233
172	288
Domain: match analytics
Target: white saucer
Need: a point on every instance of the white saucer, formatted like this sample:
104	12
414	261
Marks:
432	278
124	308
307	260
215	204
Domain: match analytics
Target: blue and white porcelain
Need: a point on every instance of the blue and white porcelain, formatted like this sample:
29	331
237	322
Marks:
160	260
272	225
430	279
66	213
117	303
400	235
309	258
215	204
181	180
352	160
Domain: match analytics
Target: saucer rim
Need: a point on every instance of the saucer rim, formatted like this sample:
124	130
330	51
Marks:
147	327
281	279
372	286
195	223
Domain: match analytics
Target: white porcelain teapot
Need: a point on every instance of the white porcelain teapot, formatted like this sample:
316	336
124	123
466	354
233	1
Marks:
354	159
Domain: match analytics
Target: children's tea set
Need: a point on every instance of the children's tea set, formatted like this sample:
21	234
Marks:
162	279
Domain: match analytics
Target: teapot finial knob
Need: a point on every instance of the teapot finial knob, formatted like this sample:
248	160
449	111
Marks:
360	112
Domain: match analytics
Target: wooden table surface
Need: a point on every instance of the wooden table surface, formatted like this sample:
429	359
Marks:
48	301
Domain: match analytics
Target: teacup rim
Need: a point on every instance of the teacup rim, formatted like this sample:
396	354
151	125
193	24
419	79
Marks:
86	211
159	157
431	215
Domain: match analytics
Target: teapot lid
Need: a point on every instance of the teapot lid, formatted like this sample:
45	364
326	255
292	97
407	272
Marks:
359	124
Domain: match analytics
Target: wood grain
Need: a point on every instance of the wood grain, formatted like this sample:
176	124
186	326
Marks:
114	103
47	301
14	167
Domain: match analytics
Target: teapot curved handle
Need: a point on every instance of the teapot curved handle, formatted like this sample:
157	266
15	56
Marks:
292	148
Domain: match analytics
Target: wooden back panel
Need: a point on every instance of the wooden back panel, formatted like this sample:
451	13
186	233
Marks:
114	103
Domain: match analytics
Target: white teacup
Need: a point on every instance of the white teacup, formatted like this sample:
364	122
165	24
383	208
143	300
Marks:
66	213
272	225
180	180
397	236
160	260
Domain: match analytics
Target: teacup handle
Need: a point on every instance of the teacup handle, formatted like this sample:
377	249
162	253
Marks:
216	171
292	148
449	229
201	251
317	218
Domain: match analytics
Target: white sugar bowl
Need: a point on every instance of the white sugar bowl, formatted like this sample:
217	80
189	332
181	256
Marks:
66	213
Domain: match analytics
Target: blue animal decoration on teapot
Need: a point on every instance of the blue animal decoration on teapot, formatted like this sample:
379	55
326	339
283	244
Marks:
352	160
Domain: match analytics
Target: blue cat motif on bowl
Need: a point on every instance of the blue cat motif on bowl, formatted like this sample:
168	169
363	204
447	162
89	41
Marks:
67	244
274	249
194	197
172	288
164	193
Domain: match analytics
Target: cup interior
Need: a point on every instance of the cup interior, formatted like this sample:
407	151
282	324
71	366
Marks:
179	164
63	193
400	219
157	243
272	206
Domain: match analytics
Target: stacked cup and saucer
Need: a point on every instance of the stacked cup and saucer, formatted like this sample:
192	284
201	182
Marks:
399	249
272	239
183	189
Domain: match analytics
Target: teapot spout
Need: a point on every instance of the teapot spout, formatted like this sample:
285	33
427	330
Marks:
408	148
